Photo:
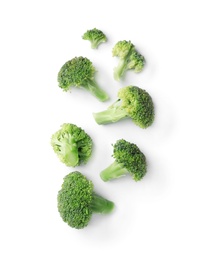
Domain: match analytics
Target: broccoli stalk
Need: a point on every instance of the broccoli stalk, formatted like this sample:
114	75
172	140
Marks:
112	114
68	149
113	171
95	90
134	103
100	204
120	69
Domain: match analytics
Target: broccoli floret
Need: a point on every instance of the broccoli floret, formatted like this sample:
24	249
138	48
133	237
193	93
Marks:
134	103
77	201
95	36
79	72
129	58
128	159
72	145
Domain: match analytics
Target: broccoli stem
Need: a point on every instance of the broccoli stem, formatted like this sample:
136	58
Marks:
101	205
113	171
119	70
94	44
113	114
96	91
70	151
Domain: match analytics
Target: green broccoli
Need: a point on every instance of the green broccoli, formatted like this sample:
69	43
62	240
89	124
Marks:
133	102
128	159
77	201
129	58
95	36
79	72
72	145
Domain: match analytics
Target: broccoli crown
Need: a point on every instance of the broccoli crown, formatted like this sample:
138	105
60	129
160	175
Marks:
122	49
75	72
74	200
136	62
79	72
72	145
129	156
129	58
95	36
138	104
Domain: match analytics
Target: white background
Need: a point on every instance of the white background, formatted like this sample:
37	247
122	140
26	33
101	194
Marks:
160	217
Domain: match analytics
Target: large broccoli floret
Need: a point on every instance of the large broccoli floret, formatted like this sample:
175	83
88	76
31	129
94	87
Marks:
77	201
72	145
95	36
79	72
133	102
128	159
129	58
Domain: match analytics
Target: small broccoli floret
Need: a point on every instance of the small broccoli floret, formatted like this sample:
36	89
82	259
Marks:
134	103
128	159
79	72
77	201
129	58
72	145
95	36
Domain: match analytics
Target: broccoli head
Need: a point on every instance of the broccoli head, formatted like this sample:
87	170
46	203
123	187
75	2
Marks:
72	145
134	103
79	72
128	159
129	58
95	36
77	201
